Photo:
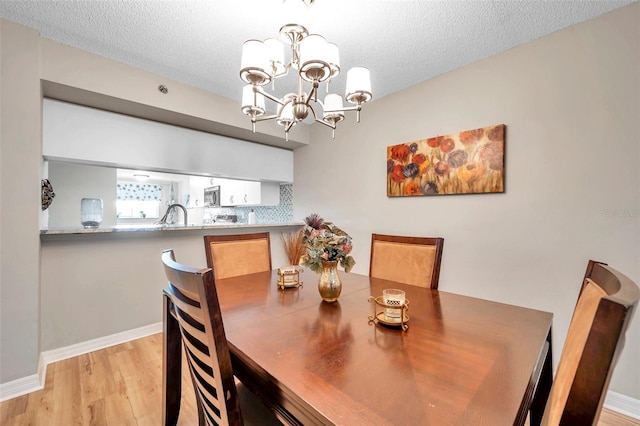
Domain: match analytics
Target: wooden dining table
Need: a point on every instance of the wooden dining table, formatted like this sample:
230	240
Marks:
461	361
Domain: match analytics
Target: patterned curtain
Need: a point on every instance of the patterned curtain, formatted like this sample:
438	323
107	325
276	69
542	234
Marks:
139	191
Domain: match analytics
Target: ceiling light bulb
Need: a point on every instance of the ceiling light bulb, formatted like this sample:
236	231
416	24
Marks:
332	107
333	56
252	101
358	85
285	117
314	58
254	66
275	54
141	176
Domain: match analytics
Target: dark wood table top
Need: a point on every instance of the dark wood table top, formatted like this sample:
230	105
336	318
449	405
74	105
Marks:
462	361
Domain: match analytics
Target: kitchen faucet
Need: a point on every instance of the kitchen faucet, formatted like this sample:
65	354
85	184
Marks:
163	221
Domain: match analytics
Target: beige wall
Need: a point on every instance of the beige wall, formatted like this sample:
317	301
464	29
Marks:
20	165
77	76
95	286
570	102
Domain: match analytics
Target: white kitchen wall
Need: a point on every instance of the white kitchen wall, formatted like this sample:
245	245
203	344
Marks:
571	106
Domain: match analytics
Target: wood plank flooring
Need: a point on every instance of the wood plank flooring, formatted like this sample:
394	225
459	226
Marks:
121	385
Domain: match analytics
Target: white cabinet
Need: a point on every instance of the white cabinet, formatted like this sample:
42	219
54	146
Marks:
230	191
252	192
197	184
238	192
269	193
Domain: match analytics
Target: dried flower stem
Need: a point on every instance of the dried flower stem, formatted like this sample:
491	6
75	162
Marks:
293	246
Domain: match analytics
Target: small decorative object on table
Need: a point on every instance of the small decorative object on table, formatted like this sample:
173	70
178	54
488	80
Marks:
91	212
395	309
289	276
326	246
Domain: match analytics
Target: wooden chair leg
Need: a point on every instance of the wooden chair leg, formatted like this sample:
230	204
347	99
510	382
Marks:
171	365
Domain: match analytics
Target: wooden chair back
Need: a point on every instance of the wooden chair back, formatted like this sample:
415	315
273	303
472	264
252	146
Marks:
195	299
240	254
594	342
410	260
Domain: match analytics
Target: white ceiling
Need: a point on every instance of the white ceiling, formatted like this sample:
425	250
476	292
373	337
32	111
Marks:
199	42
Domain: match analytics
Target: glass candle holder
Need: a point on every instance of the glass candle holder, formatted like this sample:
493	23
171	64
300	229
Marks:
91	212
393	297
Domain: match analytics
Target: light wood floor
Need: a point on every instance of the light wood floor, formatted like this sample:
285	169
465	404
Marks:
121	385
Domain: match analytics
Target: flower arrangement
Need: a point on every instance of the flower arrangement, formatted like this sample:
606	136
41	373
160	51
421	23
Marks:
324	241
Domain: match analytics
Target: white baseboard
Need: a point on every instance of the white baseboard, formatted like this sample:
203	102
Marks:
20	387
35	382
623	404
96	344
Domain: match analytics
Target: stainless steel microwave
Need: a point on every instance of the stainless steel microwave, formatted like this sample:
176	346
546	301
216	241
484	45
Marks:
212	196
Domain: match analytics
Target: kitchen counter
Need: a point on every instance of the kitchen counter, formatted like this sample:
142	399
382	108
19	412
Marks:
153	229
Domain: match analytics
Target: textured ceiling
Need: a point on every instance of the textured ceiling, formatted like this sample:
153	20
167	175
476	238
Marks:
199	42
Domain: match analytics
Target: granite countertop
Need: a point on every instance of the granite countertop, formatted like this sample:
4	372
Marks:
161	228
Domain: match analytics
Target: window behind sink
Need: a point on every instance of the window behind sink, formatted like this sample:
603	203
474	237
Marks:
138	200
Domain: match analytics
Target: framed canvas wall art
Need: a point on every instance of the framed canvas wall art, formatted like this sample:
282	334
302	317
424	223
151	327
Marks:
468	162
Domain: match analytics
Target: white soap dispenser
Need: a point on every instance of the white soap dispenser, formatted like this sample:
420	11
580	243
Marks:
252	217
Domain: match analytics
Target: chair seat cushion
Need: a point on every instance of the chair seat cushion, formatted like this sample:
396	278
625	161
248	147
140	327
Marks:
407	263
242	257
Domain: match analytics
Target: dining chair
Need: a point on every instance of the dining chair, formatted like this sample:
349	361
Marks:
410	260
196	307
239	254
594	342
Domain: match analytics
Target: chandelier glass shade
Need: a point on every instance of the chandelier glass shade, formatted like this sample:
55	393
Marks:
315	61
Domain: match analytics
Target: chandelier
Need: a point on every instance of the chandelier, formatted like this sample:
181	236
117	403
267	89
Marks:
316	61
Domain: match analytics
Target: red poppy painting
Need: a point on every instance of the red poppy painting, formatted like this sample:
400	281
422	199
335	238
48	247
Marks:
469	162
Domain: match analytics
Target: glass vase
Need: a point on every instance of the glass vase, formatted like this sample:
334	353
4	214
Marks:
91	212
330	284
